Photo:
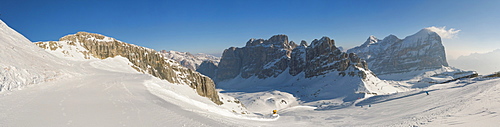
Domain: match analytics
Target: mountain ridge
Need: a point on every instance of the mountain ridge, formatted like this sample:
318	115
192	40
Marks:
144	60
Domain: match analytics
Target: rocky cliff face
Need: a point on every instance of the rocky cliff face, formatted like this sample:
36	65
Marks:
261	58
270	58
208	68
420	51
319	71
145	60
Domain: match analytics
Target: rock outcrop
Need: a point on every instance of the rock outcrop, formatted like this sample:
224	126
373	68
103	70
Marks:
319	71
261	58
420	51
208	68
270	58
145	60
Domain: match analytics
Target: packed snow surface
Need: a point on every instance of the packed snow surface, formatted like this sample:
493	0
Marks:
109	97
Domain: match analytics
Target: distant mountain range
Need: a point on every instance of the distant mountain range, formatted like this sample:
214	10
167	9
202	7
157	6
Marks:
484	63
416	61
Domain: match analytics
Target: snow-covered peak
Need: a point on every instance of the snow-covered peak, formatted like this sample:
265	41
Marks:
423	34
391	38
371	40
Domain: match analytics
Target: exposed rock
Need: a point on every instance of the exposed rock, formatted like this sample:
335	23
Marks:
261	58
145	60
496	74
319	71
208	68
270	58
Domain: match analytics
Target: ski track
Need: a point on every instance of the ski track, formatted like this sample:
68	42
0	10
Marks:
97	98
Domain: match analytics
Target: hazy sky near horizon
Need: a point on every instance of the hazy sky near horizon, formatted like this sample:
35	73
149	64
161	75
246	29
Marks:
202	26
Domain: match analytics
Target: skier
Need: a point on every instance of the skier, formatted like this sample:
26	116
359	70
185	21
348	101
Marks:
275	111
427	92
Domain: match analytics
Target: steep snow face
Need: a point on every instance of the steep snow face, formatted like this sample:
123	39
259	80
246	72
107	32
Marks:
191	61
420	51
17	69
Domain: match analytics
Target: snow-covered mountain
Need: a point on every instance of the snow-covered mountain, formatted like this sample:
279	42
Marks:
83	45
69	85
416	59
87	80
310	73
419	51
191	61
17	69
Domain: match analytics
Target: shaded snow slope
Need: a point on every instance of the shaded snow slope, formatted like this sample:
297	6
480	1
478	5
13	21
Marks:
462	103
427	77
17	66
324	92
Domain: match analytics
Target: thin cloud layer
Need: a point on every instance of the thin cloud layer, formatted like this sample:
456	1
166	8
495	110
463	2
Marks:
445	34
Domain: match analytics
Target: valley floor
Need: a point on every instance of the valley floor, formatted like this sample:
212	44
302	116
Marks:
99	97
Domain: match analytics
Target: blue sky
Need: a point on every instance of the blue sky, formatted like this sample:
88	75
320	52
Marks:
211	26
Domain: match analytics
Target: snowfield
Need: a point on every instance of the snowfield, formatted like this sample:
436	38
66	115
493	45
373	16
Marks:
45	89
104	97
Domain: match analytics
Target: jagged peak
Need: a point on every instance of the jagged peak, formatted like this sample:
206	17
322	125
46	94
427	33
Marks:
323	39
371	40
279	40
303	43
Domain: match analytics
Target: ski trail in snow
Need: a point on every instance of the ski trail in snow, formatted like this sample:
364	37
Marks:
96	98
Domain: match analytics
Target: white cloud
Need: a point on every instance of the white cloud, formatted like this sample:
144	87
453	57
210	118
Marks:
445	34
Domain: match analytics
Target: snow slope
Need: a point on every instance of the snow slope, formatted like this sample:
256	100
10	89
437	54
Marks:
86	91
100	97
17	69
103	97
330	91
109	93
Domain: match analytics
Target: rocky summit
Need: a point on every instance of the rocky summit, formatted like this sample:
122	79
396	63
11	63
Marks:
423	50
144	60
272	57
